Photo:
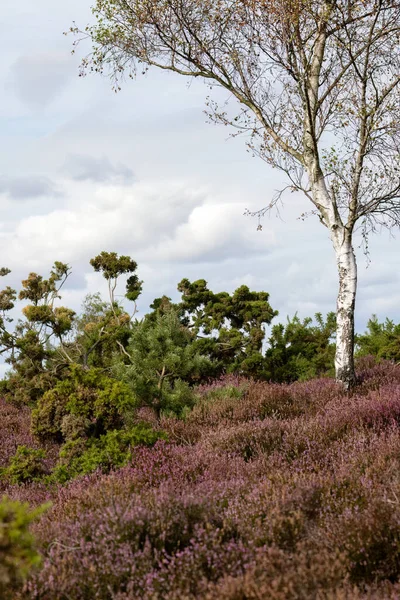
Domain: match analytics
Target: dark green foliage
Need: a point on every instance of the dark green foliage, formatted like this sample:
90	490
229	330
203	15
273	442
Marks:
25	466
161	363
381	340
17	546
229	328
243	309
301	350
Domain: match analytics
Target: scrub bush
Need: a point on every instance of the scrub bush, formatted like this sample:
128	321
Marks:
18	554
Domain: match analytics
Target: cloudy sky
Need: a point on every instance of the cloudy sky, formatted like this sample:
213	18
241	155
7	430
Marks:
142	173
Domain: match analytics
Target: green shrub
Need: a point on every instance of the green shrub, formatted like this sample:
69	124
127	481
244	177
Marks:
85	403
229	328
163	364
381	340
301	350
111	450
17	545
26	465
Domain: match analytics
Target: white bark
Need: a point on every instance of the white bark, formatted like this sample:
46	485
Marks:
341	237
347	269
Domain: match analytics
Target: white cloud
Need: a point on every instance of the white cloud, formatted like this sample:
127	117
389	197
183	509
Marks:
157	221
214	231
182	214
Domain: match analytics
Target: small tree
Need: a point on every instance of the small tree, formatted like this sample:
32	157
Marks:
104	327
300	349
161	362
112	267
317	82
32	345
230	328
381	340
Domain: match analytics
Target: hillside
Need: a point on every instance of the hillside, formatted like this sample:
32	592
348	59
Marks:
264	491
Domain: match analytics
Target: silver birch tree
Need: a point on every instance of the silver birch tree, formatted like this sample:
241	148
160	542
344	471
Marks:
317	90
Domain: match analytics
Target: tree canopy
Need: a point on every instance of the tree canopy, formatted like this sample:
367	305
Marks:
316	83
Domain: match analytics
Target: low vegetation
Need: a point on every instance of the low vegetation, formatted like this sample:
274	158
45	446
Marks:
186	456
285	491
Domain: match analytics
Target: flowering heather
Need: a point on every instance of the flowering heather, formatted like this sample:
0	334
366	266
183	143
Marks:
14	430
14	433
285	492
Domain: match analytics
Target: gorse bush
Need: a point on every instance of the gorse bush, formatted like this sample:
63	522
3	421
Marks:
18	554
93	417
86	403
111	450
26	465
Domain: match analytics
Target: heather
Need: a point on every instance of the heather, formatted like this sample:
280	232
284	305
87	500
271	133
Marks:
86	381
262	491
179	457
22	457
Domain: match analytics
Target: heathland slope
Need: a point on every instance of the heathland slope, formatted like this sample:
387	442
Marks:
263	491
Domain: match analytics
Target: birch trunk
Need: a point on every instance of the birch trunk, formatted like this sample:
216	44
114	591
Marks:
347	270
341	238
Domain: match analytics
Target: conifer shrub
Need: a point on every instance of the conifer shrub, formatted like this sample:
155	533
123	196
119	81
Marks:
381	340
161	364
301	350
93	418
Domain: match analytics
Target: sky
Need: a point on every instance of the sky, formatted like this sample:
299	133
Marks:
141	172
